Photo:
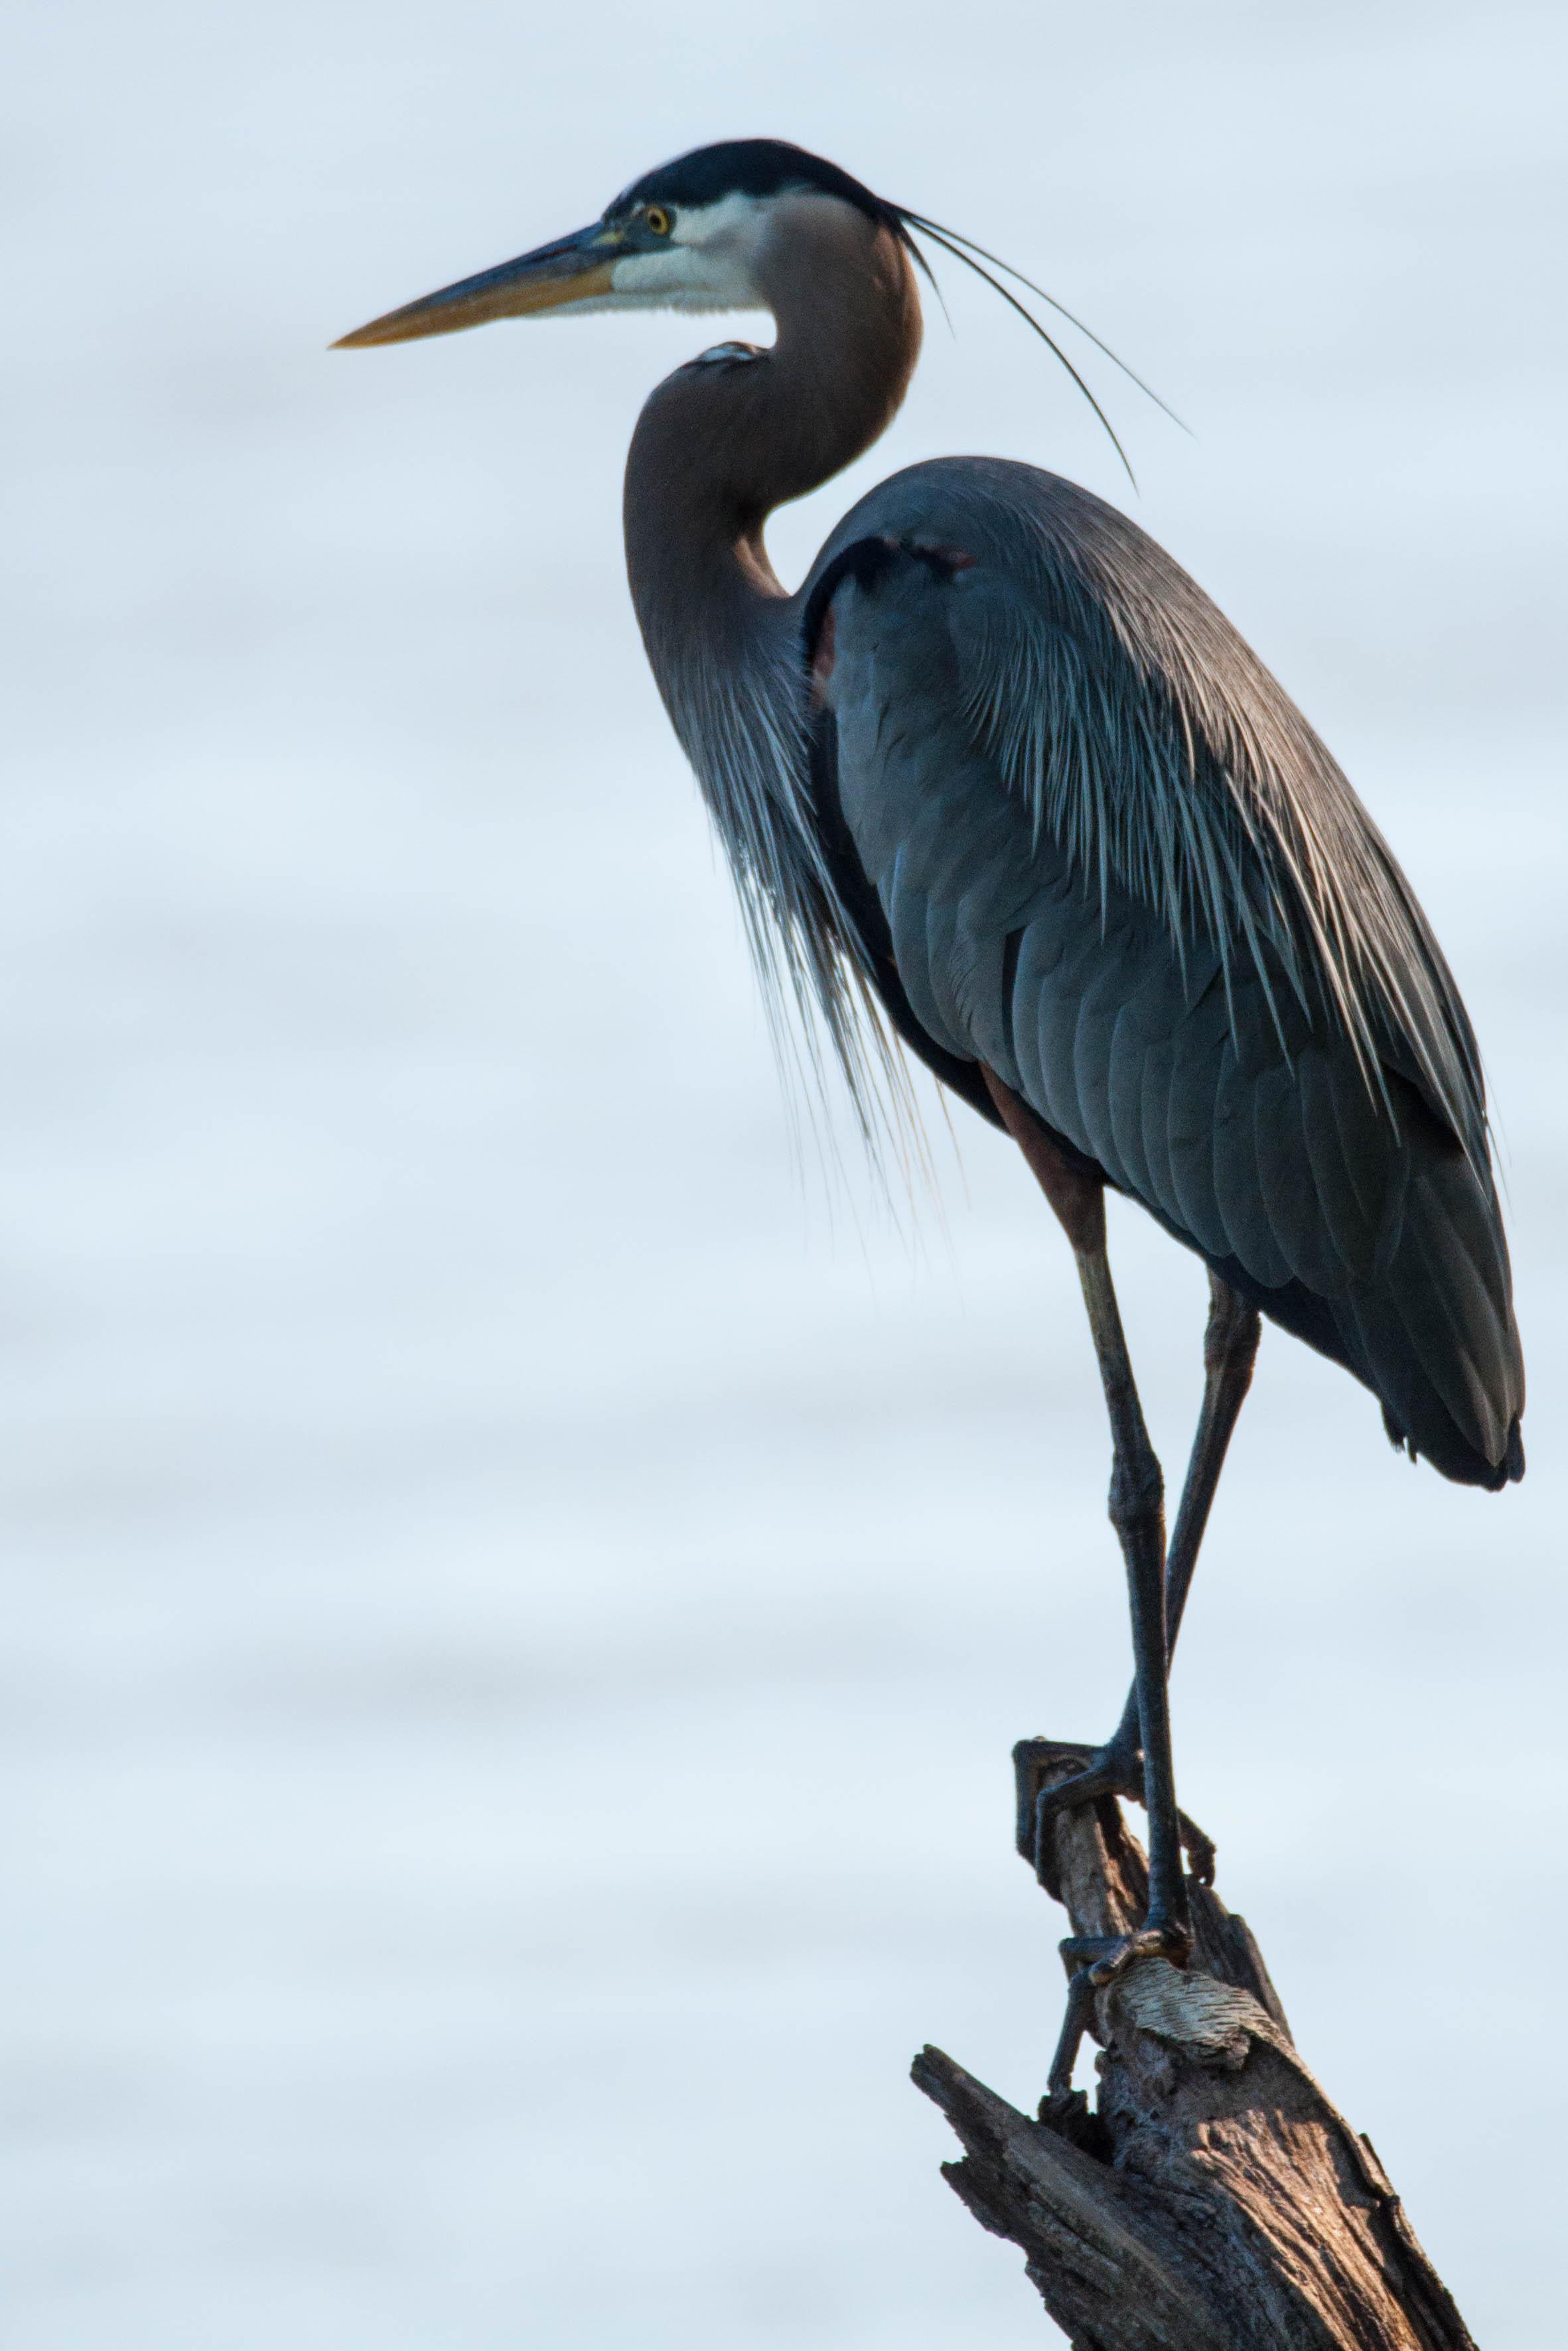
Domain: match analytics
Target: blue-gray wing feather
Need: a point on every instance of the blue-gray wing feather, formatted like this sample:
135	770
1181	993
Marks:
1116	867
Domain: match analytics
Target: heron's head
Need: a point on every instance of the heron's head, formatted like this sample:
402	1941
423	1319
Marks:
694	235
724	228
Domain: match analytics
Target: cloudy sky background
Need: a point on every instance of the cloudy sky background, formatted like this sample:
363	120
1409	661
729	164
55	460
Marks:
519	1590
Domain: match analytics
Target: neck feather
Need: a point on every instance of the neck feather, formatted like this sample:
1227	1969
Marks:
718	447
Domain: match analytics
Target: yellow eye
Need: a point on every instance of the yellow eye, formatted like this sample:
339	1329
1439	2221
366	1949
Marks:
657	219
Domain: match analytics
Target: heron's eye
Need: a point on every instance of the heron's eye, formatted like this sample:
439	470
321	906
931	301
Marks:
656	218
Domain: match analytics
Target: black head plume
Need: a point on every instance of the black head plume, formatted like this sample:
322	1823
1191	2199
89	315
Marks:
751	167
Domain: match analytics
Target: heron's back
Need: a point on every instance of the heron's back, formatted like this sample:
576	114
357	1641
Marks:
1093	829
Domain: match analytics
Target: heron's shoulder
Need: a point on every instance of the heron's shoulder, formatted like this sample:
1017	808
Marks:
1076	560
1006	506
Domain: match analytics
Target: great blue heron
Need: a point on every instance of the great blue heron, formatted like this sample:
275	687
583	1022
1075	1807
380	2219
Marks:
1000	775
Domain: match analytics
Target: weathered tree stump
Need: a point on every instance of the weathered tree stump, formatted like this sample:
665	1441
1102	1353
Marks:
1213	2200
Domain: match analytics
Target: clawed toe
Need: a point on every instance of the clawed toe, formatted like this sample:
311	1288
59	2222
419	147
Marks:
1096	1776
1199	1849
1116	1768
1097	1960
1102	1958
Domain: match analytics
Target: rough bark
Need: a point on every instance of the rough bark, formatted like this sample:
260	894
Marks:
1212	2200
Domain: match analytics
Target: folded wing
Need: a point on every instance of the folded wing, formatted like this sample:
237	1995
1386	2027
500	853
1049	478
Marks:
1088	842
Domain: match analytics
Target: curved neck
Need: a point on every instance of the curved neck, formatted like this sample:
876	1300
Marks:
720	444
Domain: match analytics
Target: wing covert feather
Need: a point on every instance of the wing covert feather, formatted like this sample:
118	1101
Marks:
1221	1087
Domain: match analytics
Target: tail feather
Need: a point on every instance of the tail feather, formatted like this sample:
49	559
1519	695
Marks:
1433	1334
1437	1334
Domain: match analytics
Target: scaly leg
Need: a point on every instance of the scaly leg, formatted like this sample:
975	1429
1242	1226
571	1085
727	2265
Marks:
1229	1352
1077	1193
1137	1513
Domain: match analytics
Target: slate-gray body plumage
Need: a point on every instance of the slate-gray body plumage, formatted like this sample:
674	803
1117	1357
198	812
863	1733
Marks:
1317	1133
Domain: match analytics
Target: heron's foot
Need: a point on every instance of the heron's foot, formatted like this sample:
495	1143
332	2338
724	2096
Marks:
1114	1769
1097	1960
1104	1958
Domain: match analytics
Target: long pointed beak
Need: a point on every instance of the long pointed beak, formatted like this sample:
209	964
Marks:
576	268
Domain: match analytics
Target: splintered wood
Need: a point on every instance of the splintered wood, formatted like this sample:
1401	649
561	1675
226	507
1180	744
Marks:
1212	2200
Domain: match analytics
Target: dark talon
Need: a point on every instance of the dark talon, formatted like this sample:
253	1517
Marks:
1099	1959
1074	2023
1114	1769
1199	1849
1102	1958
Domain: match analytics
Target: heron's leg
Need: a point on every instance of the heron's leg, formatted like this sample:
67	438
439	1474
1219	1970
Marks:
1077	1193
1229	1352
1137	1513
